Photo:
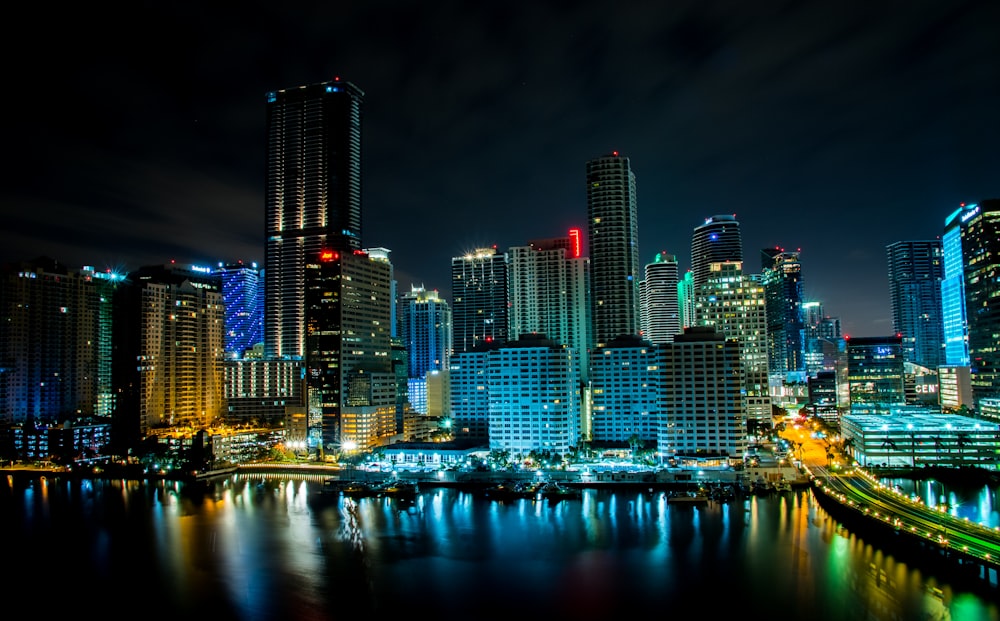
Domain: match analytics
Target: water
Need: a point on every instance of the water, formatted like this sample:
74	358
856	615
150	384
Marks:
275	548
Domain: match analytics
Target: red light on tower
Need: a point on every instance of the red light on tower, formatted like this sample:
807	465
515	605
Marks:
614	153
574	239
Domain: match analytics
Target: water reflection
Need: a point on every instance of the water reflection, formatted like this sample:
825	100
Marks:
261	549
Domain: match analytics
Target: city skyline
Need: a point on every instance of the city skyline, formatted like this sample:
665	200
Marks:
803	122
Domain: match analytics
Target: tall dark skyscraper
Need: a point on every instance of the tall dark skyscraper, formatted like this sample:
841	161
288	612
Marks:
312	197
916	269
718	240
479	299
981	257
613	239
781	275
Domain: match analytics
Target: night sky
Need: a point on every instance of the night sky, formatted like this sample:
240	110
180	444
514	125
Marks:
835	128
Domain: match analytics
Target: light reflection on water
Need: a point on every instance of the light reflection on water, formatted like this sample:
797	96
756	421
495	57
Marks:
275	548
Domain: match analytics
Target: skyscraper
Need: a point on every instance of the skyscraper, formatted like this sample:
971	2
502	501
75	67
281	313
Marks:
916	270
716	241
658	300
955	324
781	275
240	294
350	377
875	373
479	299
613	240
733	303
312	197
981	257
548	284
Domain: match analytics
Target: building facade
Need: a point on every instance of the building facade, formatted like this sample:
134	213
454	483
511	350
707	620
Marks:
625	382
479	312
660	316
875	372
781	275
981	259
312	197
613	246
718	240
916	270
242	295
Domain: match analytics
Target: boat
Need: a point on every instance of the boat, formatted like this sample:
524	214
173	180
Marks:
402	490
688	498
555	492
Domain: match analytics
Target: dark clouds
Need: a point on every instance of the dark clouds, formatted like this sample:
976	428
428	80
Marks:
836	128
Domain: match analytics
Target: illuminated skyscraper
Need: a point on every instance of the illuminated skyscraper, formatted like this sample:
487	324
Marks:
875	373
981	256
659	312
733	303
241	295
427	333
781	275
479	299
312	197
916	270
954	324
350	376
547	284
613	240
716	241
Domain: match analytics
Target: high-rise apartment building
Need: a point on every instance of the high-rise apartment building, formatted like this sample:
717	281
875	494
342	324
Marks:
781	275
613	246
312	197
548	284
703	409
716	241
733	303
981	258
241	294
625	379
54	342
426	336
479	299
916	270
169	335
659	310
686	299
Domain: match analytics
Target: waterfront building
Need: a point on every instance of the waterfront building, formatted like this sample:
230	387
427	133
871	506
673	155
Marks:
479	299
352	386
169	334
659	310
981	259
916	270
718	240
914	437
781	276
703	410
875	371
534	398
242	295
312	196
55	342
470	403
734	304
624	391
426	333
264	391
548	284
613	245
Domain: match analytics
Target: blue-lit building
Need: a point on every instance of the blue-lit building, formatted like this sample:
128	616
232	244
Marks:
916	270
242	295
954	325
981	258
479	311
625	379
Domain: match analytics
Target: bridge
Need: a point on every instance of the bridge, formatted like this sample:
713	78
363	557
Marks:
861	501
